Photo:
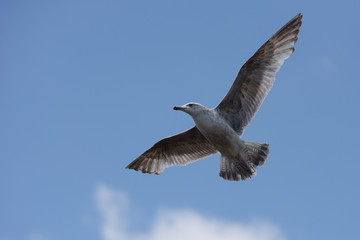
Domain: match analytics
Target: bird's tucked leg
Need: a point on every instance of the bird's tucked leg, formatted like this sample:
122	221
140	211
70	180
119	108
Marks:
252	154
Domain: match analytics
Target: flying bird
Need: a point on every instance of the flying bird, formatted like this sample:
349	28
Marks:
218	130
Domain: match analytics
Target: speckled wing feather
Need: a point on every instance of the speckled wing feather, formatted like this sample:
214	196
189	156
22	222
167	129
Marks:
257	76
180	149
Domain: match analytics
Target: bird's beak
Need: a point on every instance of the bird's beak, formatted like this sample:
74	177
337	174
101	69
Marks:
179	108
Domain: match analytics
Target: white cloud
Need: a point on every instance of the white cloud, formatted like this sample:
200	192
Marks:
175	224
112	206
326	63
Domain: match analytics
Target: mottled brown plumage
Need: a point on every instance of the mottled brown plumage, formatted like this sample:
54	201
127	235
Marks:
257	76
218	129
179	149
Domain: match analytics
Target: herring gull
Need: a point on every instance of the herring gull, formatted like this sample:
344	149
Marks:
218	130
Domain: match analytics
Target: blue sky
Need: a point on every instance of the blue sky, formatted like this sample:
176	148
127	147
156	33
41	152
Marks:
87	86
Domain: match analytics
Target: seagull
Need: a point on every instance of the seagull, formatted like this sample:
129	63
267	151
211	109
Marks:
218	130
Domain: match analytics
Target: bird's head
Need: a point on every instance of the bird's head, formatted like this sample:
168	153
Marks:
191	108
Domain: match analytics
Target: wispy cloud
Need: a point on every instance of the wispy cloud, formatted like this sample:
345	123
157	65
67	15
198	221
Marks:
174	224
112	206
326	63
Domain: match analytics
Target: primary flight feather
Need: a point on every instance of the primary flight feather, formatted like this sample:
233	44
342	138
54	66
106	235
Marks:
219	129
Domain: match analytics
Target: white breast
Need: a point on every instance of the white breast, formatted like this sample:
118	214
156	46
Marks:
218	131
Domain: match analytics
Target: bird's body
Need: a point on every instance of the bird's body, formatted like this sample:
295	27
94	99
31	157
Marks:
218	132
221	135
219	129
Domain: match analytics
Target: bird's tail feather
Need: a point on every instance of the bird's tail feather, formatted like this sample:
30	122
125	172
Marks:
252	154
228	171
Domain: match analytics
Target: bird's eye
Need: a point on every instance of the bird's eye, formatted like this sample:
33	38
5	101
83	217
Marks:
190	105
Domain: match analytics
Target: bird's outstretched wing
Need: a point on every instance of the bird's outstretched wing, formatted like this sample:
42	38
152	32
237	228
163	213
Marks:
180	149
257	76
